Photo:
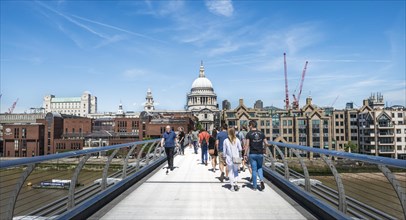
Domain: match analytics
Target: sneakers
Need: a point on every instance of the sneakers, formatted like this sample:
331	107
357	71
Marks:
236	188
262	185
227	178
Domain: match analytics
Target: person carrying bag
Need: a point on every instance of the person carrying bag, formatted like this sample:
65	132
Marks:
231	151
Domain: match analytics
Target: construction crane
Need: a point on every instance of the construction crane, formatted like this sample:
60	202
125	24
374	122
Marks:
335	100
286	83
295	103
11	109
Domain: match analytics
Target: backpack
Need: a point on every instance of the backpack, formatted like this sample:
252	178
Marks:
238	135
204	142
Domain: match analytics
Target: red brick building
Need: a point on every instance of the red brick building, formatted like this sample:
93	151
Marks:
154	125
23	140
59	133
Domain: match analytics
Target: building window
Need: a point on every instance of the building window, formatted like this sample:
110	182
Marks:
23	133
399	139
73	130
15	145
398	131
336	123
16	132
399	115
302	122
284	122
399	147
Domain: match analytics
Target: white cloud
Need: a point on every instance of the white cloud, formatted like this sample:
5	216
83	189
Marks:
220	7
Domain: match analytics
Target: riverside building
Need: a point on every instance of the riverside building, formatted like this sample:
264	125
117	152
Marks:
79	106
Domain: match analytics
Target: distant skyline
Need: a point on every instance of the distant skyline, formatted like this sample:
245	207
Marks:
119	49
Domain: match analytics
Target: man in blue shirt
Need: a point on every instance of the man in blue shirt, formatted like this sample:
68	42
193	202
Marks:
221	136
169	142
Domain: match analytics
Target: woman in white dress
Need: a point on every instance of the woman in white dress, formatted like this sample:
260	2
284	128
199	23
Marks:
232	148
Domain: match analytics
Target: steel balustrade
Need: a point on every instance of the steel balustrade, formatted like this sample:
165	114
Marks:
150	155
74	198
339	197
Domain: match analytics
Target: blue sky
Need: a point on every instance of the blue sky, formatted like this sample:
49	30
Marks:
117	50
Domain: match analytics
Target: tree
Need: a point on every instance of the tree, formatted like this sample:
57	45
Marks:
351	147
198	126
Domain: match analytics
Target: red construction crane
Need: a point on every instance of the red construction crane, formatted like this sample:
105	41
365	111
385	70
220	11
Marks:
295	103
11	109
286	83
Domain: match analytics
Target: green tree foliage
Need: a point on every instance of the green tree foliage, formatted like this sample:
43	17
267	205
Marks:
352	146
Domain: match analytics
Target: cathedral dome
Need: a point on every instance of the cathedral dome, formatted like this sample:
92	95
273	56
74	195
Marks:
202	82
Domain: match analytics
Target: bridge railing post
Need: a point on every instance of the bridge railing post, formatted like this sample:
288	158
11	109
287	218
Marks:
148	156
73	182
127	157
13	198
137	167
357	185
342	202
103	184
285	162
400	191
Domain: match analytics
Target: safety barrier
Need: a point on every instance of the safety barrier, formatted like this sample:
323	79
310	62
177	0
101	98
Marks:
345	185
57	186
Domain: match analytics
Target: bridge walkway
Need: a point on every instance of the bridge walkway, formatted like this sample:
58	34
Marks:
193	191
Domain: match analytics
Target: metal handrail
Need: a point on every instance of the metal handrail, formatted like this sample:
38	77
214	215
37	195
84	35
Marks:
360	157
38	159
83	156
381	162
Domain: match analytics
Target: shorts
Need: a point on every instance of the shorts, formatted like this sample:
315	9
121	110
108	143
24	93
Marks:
221	158
215	152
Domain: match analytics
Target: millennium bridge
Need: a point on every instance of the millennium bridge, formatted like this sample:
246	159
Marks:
130	181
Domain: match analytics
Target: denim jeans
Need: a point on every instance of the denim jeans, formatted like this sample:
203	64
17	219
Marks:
195	146
204	154
256	161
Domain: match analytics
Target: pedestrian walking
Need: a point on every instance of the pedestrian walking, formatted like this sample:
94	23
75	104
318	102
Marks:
221	136
168	141
204	137
231	152
181	140
212	149
189	139
241	136
255	142
195	139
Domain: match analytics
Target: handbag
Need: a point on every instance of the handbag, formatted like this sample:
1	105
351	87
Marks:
211	151
236	160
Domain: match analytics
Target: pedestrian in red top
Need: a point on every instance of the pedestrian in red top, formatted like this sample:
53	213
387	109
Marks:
204	137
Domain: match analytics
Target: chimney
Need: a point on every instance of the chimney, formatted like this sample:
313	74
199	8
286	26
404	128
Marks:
309	100
365	102
241	101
